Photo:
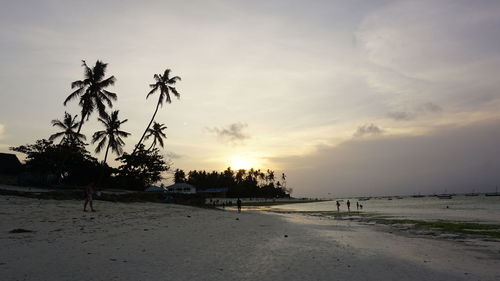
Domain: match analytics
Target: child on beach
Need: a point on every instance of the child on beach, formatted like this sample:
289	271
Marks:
239	205
89	192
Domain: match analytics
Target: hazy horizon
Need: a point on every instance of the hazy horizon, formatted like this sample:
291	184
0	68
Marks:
348	98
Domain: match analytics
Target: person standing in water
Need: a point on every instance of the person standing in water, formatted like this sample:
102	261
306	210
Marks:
357	205
239	205
348	206
338	206
89	192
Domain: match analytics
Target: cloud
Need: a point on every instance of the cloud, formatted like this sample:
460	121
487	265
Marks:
415	53
173	155
368	129
431	107
454	158
233	133
426	108
400	115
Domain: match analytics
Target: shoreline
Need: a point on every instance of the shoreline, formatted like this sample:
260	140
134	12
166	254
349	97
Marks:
137	241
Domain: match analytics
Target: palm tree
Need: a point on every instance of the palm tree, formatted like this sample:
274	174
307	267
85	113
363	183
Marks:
111	134
68	124
164	85
157	133
91	91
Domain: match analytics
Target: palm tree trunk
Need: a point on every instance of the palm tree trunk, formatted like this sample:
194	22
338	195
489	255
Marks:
149	125
81	123
152	145
106	155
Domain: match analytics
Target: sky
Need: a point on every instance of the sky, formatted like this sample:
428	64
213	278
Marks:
348	98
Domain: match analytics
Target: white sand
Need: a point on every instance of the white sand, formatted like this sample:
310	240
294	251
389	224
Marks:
146	241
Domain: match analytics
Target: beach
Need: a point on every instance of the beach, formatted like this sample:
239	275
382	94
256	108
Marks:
154	241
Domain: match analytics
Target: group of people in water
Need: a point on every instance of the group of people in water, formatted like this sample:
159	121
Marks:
358	206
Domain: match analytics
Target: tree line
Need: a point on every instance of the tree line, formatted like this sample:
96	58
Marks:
240	183
69	161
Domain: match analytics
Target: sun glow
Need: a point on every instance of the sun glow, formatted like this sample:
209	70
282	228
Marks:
238	162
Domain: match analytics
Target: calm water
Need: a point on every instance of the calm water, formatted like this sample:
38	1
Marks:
460	208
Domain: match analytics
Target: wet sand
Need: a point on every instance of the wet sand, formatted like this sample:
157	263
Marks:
148	241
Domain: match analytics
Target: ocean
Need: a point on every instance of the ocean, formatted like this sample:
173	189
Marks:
480	208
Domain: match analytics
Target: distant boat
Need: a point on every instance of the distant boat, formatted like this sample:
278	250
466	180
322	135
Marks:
472	194
493	194
444	196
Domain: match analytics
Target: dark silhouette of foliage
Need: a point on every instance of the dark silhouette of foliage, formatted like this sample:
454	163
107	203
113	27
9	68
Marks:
241	183
142	168
179	176
111	134
69	163
157	133
164	83
68	125
91	91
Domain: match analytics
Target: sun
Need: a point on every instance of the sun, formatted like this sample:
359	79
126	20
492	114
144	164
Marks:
238	163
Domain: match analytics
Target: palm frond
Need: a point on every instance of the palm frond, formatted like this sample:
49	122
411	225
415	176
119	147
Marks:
55	136
73	95
174	91
100	145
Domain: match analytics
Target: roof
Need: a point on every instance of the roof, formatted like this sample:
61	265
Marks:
181	185
9	164
155	188
214	190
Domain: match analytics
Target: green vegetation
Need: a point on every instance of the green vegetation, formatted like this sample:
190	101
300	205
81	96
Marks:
240	183
471	228
271	203
70	163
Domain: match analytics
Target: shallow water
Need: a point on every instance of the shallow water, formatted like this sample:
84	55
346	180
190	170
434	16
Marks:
459	208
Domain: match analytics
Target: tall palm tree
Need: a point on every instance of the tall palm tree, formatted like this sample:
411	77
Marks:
164	84
111	134
157	133
68	124
91	91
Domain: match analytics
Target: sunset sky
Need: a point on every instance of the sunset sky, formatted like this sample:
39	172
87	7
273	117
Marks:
347	97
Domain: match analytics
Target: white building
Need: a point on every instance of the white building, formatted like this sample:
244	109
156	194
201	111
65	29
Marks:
183	188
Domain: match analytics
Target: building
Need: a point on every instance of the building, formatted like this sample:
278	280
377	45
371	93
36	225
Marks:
219	192
9	164
183	188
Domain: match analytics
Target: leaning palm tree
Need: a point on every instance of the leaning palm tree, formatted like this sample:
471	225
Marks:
157	133
68	125
91	91
165	85
111	134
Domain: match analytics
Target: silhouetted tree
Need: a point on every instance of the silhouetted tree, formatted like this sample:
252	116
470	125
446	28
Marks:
70	163
157	133
91	91
111	134
179	176
164	84
142	168
69	125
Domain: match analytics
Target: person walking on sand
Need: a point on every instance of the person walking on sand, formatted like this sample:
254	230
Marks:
348	206
239	205
89	192
338	206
